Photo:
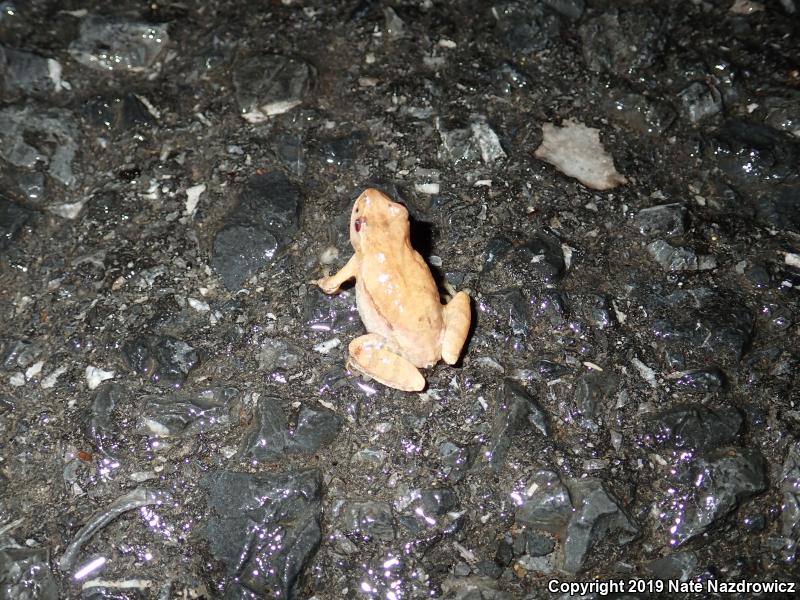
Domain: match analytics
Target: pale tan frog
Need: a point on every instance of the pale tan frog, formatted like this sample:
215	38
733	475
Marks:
397	299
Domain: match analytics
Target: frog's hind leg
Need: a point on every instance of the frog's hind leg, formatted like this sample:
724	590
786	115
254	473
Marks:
369	354
457	318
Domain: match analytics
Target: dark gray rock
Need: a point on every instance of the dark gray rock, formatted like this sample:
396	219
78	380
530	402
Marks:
530	264
345	149
118	114
752	154
510	308
597	515
546	370
472	588
709	325
322	312
278	355
678	566
270	84
119	45
581	512
134	499
364	520
547	506
790	487
13	218
779	207
783	112
592	394
622	42
271	439
537	416
316	428
594	309
526	27
25	573
513	406
550	305
673	258
24	74
572	9
100	426
456	146
269	201
470	142
509	79
264	528
456	460
538	544
161	359
438	501
290	151
186	413
260	226
489	568
692	426
700	100
30	138
240	251
639	113
720	480
664	220
701	381
20	354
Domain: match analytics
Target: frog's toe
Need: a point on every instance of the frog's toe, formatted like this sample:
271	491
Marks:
457	318
370	355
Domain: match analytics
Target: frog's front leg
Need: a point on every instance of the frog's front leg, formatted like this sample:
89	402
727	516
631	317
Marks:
332	283
457	318
371	355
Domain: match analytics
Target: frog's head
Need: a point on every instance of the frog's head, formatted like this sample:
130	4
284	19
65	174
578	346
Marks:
377	220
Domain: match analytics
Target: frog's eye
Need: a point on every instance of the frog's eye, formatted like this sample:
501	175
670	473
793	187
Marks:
358	223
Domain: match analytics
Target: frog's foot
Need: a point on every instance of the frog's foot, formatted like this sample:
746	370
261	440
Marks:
332	283
457	318
369	354
327	284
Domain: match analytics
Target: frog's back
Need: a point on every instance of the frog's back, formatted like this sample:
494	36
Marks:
398	299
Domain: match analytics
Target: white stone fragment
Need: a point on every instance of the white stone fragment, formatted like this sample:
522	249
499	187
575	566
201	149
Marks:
17	379
149	106
120	584
793	260
54	72
198	305
576	151
34	369
427	188
67	210
329	255
155	427
89	568
648	374
486	139
95	376
265	111
51	379
193	197
746	7
327	345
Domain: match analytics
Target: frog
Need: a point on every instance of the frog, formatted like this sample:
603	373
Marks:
408	327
